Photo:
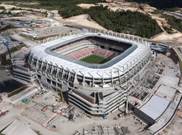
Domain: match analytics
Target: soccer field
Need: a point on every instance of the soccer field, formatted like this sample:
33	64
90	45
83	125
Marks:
95	59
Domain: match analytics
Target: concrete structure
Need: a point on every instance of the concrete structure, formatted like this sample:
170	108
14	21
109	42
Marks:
20	70
18	128
95	88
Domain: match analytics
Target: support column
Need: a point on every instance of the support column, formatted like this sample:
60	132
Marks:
111	78
83	82
103	81
92	79
47	65
42	63
75	79
30	59
68	74
180	74
62	73
36	65
119	77
126	110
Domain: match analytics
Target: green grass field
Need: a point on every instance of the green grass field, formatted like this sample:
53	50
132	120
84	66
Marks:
94	59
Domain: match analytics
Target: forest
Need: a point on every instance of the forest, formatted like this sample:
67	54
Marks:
125	21
174	22
161	4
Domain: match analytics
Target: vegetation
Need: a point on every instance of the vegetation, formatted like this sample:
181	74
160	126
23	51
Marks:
168	29
57	4
126	21
176	23
66	8
71	11
161	4
120	21
53	4
95	59
2	8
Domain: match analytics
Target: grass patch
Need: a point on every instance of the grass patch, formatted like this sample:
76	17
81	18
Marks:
95	59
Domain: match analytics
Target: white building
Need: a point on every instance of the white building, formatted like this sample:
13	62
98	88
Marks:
96	88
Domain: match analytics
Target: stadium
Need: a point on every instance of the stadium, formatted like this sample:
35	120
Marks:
92	69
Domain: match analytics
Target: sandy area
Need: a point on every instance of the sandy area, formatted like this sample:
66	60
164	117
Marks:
86	6
114	6
83	20
165	37
7	6
86	21
125	6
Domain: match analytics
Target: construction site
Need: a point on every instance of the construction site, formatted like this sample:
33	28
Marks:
52	91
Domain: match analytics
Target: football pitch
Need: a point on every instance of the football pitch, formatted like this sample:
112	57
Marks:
95	59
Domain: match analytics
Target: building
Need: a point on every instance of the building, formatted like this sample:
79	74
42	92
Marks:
20	69
91	68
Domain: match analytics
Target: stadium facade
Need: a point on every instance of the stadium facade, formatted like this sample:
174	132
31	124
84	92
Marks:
96	87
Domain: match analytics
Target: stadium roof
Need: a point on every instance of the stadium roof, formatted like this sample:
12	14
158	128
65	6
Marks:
98	66
142	51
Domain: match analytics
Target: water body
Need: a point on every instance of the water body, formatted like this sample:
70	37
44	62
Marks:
9	85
